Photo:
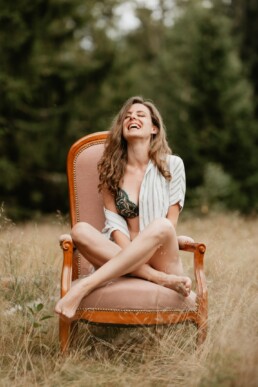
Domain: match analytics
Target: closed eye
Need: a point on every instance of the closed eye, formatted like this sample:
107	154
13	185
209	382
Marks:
139	114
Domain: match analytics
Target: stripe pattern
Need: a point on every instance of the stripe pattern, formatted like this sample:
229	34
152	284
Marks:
156	196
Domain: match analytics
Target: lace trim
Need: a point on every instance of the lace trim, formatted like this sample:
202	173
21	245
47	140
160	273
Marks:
124	206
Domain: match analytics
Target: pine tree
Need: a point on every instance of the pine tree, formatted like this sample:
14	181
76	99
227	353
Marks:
208	102
53	59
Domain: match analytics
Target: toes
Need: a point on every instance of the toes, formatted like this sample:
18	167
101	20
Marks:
184	287
63	314
181	285
188	285
180	288
65	318
58	309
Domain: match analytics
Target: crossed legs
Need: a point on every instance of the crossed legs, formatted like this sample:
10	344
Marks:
152	255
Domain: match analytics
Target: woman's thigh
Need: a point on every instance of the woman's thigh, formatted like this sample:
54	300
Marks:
166	258
93	245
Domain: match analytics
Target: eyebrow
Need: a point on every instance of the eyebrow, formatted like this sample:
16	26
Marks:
137	111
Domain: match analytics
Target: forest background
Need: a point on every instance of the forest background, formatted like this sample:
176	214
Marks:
66	67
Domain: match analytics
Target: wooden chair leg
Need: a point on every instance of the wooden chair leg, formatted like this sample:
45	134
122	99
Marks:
201	333
74	330
64	335
67	332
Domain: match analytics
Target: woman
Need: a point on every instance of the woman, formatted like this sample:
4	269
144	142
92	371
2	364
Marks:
143	188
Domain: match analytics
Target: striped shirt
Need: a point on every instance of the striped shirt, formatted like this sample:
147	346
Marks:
156	196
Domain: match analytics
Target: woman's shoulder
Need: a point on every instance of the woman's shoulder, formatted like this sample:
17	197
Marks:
175	161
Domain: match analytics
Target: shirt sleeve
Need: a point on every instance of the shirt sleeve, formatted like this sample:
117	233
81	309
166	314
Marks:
114	222
177	185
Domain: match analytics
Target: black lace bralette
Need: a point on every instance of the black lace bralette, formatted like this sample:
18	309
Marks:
124	206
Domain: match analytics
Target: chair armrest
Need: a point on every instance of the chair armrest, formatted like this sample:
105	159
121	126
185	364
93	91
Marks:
184	241
64	238
187	244
199	253
67	246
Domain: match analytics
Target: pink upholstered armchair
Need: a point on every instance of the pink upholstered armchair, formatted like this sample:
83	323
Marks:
126	300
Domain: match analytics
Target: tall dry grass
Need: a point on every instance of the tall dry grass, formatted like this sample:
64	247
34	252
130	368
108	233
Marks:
30	269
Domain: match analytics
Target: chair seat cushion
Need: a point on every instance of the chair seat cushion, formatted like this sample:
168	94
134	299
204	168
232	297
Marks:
128	293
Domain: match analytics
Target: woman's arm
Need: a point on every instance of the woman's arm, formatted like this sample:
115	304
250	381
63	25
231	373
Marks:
119	238
173	214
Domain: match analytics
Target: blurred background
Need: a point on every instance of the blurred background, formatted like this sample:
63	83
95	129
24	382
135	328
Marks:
67	66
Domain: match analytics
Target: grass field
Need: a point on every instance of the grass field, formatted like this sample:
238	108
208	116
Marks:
31	261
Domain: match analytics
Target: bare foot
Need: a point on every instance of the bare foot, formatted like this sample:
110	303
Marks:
180	284
67	306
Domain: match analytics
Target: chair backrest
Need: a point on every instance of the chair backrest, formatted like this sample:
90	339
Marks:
85	201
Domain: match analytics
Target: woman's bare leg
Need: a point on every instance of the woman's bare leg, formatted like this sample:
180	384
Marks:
137	253
168	266
97	249
93	245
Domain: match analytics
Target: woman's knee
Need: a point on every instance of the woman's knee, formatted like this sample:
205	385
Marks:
162	229
80	232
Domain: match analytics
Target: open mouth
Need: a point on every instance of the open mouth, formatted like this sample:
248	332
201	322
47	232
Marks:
134	126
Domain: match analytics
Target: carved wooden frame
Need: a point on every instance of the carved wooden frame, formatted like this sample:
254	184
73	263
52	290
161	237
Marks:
198	316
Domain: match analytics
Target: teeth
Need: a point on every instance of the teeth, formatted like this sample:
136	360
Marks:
133	126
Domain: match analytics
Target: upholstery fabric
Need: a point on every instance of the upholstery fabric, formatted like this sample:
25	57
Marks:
124	293
136	294
90	208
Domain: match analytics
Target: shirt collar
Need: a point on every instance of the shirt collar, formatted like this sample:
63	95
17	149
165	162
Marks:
149	166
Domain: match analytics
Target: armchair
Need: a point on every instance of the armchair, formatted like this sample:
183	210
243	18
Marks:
125	301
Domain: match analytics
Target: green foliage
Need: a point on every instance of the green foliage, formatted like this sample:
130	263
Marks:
62	76
192	70
244	15
49	84
218	191
213	115
36	318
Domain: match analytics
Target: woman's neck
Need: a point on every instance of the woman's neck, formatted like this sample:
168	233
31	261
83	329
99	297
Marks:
137	155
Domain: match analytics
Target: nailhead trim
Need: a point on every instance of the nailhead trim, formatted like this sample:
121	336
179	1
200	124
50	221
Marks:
138	310
88	145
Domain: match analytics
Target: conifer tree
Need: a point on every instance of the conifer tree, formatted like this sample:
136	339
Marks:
53	59
208	102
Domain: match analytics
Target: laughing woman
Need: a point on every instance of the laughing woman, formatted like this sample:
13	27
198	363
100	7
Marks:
143	188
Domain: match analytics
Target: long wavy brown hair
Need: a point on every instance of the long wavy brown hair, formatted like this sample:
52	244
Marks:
112	165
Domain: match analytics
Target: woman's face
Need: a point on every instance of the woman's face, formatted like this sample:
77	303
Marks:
138	122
